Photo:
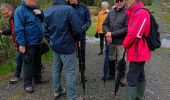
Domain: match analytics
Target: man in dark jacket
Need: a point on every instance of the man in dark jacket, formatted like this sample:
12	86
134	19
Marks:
62	25
84	15
115	27
7	11
28	29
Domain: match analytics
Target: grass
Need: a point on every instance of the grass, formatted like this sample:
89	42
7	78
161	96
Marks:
164	49
6	67
92	30
162	17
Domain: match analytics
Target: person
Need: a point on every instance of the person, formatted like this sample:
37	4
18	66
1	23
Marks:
137	49
84	14
101	17
115	27
28	29
7	11
62	29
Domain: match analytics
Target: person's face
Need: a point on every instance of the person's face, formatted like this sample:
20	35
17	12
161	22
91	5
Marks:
31	2
104	7
119	3
5	12
129	2
73	1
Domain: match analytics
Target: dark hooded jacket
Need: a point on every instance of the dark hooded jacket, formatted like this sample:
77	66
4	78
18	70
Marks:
61	26
84	15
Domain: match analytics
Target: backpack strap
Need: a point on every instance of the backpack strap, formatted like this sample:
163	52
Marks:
140	9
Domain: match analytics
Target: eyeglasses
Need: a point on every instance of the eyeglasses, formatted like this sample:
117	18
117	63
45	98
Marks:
117	1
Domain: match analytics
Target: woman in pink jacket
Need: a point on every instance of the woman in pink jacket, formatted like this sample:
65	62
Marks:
137	50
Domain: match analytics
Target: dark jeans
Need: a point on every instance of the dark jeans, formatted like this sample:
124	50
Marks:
101	35
136	73
32	65
19	62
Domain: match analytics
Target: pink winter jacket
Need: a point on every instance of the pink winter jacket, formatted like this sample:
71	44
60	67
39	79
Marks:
138	26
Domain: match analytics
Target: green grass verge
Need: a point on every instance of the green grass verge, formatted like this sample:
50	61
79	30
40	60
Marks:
6	67
92	30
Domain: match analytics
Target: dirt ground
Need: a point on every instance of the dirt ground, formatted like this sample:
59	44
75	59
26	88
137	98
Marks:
157	74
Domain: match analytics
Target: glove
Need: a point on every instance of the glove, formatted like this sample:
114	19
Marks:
96	35
83	28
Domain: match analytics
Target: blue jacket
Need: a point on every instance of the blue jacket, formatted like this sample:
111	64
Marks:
28	26
61	25
84	15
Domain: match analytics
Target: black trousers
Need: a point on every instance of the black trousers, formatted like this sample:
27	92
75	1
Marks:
101	35
136	73
32	65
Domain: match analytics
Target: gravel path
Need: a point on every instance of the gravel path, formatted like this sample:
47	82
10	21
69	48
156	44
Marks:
157	73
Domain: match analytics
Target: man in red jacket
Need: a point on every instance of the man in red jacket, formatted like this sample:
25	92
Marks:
7	11
137	50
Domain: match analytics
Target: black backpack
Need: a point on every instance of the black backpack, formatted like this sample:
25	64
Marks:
153	40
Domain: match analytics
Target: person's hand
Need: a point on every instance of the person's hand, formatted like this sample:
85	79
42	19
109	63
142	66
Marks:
22	49
78	43
0	31
37	11
109	37
83	28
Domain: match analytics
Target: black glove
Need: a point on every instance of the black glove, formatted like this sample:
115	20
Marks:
96	35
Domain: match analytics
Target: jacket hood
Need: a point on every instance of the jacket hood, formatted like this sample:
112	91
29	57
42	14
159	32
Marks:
69	1
58	1
131	10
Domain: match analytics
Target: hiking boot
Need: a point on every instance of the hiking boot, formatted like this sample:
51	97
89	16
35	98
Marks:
41	82
59	94
100	53
140	90
29	89
15	80
131	93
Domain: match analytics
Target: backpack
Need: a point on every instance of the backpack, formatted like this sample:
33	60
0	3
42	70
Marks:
153	39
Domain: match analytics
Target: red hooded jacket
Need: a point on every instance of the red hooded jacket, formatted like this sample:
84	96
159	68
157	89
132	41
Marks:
138	26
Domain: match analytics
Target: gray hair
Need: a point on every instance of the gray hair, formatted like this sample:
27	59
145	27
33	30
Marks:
105	4
137	0
6	6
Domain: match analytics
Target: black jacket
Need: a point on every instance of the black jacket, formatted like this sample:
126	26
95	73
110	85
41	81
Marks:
116	23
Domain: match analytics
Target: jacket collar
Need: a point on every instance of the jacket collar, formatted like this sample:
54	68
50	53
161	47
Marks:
58	2
29	7
133	8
